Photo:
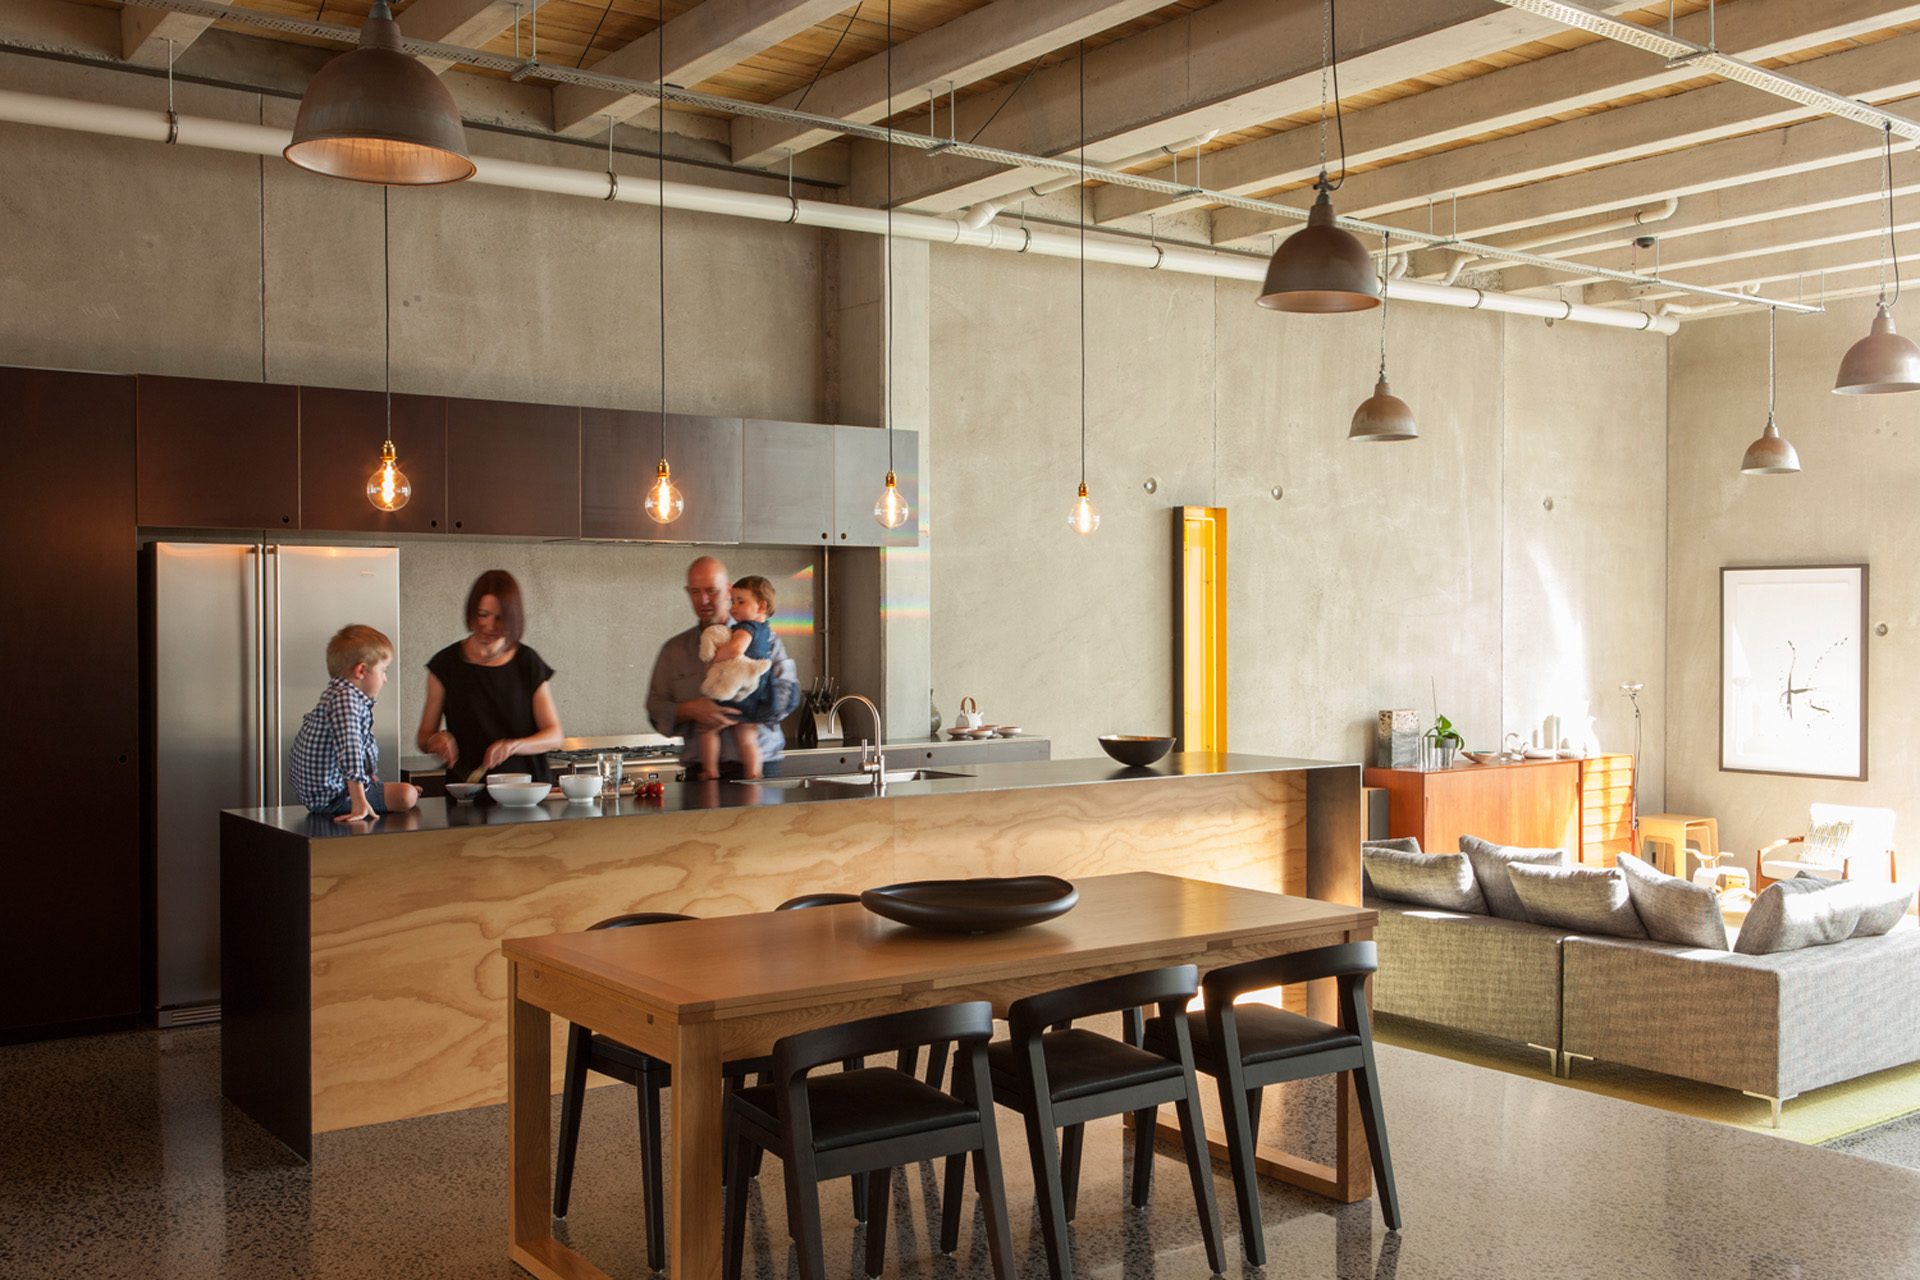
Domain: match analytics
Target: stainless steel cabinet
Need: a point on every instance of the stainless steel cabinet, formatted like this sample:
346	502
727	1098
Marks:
787	479
859	474
619	456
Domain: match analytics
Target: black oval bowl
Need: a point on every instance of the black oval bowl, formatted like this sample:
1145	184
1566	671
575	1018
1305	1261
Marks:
982	905
1133	749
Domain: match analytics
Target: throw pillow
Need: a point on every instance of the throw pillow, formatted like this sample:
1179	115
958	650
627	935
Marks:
1406	844
1490	862
1443	880
1584	899
1881	906
1825	840
1672	909
1805	911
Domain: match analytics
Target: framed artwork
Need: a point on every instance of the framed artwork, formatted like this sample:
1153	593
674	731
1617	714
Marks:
1793	671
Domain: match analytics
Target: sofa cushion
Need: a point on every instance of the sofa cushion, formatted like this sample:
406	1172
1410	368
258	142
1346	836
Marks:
1406	844
1442	880
1808	911
1672	909
1585	899
1490	862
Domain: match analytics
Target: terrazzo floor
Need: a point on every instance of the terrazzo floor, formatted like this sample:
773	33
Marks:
118	1158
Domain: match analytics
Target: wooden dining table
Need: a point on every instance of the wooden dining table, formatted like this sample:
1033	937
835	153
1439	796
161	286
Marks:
699	992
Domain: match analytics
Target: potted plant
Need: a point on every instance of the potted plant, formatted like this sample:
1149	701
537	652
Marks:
1444	740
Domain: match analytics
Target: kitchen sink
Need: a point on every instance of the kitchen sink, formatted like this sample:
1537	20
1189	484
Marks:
844	780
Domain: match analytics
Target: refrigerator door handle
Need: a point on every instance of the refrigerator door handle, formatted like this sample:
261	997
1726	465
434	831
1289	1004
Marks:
258	555
275	769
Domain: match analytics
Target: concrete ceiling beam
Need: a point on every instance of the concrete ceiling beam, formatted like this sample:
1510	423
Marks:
700	44
972	47
1761	157
149	36
55	26
464	22
1888	69
1224	67
1570	81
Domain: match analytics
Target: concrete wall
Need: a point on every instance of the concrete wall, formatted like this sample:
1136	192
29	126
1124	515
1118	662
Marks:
1851	503
1384	575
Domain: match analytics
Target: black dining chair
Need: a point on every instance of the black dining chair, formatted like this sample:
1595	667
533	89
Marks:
590	1051
1250	1046
868	1121
1059	1076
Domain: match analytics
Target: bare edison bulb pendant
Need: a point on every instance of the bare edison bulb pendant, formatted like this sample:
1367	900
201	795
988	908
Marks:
1083	519
892	510
664	502
388	487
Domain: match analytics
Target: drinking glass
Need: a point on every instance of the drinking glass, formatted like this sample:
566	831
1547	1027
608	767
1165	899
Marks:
612	769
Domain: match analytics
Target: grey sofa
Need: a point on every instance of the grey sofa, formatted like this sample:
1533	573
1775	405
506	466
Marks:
1771	1026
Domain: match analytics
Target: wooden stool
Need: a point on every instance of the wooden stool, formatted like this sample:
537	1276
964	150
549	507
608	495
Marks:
1671	831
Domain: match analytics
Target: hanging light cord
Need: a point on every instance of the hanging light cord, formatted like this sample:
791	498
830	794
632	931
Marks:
1330	64
1772	312
660	179
1386	270
386	293
889	237
1082	190
851	19
1892	254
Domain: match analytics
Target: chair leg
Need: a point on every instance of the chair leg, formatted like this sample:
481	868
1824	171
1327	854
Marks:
859	1185
1045	1152
803	1207
653	1178
1200	1170
1072	1140
879	1187
1238	1106
986	1165
950	1198
733	1226
1374	1119
1254	1098
573	1092
1143	1135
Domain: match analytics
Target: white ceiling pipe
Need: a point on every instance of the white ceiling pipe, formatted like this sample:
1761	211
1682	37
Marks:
253	139
1639	218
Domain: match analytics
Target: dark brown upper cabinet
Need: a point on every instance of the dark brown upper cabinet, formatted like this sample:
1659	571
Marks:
218	455
620	457
788	483
340	437
513	469
860	473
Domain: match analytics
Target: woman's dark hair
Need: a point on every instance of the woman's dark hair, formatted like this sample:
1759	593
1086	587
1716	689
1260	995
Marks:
499	584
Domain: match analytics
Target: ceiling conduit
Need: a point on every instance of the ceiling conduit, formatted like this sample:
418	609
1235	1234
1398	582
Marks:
252	139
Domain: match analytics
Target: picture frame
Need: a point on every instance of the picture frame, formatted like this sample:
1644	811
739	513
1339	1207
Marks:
1793	670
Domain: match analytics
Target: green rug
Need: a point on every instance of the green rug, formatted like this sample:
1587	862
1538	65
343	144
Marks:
1820	1115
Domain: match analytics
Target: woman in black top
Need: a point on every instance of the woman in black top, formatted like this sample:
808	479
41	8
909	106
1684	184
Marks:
495	692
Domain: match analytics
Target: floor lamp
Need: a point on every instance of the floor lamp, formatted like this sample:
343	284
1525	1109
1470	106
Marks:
1632	689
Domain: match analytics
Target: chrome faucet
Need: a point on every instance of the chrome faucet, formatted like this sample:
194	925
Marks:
877	765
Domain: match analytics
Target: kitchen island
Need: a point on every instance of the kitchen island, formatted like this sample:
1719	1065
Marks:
361	972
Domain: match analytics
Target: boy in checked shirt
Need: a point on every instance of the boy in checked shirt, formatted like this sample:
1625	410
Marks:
335	764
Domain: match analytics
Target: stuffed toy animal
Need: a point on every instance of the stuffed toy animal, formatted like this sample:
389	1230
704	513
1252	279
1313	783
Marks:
733	679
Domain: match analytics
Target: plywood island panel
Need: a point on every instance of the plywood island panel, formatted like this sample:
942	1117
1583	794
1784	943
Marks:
405	999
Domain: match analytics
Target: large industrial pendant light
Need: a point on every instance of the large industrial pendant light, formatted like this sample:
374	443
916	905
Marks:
1083	519
388	487
664	501
1770	455
377	114
1322	269
891	510
1383	415
1883	362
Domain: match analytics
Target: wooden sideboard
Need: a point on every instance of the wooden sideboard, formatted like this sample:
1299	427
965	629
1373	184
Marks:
1583	805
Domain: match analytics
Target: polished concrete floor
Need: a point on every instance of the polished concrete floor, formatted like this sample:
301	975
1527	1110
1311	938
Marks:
118	1158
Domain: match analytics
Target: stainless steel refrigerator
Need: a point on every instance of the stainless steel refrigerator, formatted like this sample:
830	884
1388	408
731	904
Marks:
240	637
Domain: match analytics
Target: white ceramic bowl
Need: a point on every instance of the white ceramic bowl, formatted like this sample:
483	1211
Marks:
580	786
508	777
1007	730
519	795
464	791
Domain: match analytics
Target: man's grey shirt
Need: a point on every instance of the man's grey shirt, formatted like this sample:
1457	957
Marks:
677	673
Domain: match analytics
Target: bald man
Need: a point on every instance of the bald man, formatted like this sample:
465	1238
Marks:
674	701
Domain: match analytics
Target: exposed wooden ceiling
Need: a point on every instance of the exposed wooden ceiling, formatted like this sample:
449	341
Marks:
1461	114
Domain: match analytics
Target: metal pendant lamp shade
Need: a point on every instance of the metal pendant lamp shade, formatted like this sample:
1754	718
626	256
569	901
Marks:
1882	363
1383	416
1770	455
377	114
1320	269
